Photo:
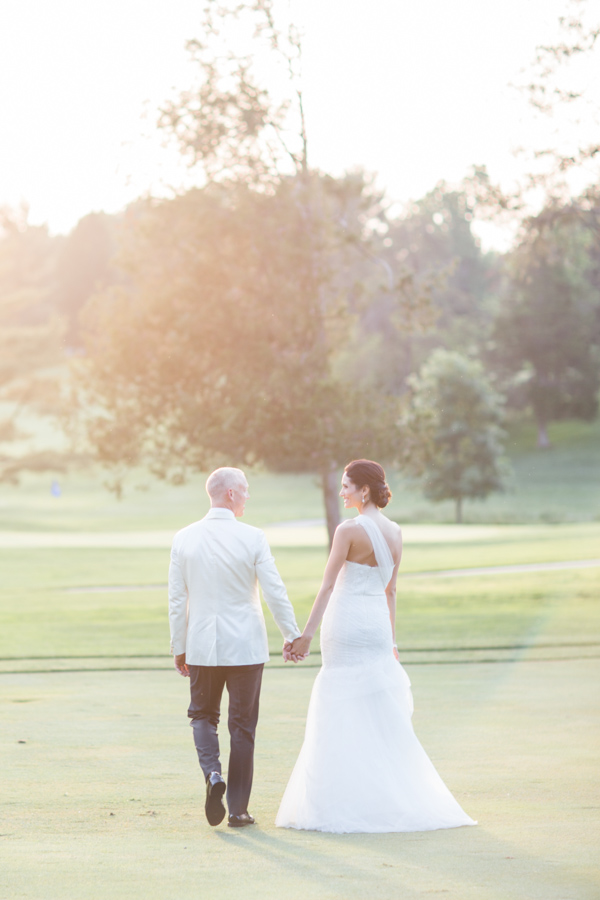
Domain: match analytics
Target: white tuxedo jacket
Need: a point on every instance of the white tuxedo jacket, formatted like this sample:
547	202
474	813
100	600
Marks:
215	612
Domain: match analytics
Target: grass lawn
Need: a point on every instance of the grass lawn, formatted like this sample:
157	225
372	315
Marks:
557	485
104	798
101	788
42	614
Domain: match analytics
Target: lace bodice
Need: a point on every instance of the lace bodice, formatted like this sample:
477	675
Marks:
356	628
358	578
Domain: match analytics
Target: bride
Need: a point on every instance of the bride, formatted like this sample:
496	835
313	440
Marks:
361	767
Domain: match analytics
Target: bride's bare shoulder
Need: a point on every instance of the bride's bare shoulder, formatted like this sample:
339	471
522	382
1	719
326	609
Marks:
392	529
347	526
350	529
345	533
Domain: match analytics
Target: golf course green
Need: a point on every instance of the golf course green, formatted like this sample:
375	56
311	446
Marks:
102	794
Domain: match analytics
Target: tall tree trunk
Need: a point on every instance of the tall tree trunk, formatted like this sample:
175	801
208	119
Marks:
458	510
329	483
543	440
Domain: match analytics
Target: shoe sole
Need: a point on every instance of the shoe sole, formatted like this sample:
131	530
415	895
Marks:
239	824
214	807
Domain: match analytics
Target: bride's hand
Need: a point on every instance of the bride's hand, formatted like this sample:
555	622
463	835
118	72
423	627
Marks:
396	654
300	648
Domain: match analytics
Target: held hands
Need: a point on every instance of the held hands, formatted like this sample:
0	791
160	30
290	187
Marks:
296	651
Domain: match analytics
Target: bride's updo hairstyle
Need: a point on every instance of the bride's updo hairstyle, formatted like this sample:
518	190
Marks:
363	472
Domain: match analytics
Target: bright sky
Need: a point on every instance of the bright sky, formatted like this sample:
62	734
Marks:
414	90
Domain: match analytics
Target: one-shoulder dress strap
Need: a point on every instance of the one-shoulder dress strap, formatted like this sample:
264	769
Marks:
381	549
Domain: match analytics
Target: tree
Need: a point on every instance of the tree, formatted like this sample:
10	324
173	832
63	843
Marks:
545	340
433	246
561	76
30	341
454	423
221	346
559	86
83	266
547	332
436	234
218	346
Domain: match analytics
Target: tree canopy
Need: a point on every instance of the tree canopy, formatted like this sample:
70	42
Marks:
82	267
547	329
454	423
220	345
30	341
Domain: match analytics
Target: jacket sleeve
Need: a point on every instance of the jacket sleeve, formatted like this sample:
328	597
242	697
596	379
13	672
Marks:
274	590
178	604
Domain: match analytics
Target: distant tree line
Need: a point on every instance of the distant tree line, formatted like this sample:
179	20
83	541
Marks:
280	315
209	333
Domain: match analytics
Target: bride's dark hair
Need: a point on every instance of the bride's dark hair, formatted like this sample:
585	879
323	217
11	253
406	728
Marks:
363	472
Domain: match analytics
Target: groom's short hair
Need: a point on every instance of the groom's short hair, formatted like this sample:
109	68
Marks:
222	479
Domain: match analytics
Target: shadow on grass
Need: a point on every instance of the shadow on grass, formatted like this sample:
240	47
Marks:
415	863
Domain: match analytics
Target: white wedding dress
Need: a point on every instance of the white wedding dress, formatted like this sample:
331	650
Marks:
361	767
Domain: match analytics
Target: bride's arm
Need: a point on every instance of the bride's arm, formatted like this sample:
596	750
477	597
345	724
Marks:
337	557
390	593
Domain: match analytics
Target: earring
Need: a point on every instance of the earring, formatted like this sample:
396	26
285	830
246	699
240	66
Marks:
364	498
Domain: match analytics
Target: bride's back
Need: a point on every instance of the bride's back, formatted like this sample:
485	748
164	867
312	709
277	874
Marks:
361	548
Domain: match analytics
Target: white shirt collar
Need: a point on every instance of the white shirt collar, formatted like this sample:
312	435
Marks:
219	512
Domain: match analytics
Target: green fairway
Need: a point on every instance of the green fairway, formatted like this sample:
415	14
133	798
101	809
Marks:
41	600
101	788
104	798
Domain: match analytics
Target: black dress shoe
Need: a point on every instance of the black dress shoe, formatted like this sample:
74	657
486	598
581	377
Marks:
214	806
240	821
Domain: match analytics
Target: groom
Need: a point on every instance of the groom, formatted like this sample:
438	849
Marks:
218	634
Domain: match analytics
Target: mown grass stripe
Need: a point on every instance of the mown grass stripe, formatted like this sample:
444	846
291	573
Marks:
420	662
551	646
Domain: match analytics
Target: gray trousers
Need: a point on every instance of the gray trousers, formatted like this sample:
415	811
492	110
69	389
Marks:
243	686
